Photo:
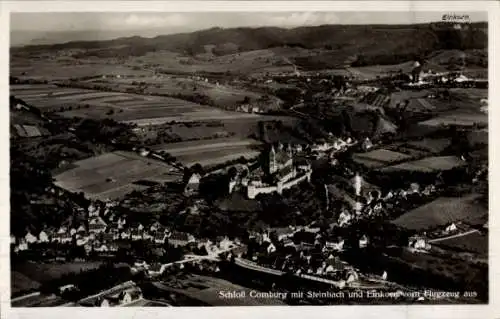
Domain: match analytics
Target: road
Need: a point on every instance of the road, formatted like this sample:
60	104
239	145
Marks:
454	236
37	293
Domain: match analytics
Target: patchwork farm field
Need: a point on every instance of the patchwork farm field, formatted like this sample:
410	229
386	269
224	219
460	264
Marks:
113	175
130	108
211	152
221	94
427	165
379	158
443	211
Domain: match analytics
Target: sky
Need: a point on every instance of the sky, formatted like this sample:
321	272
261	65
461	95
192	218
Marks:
179	22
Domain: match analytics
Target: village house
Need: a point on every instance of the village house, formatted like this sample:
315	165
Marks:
193	185
418	243
62	230
30	239
121	223
81	231
363	241
66	288
451	228
22	245
64	238
126	234
93	210
156	226
287	242
122	298
43	237
136	235
177	239
160	238
147	236
82	241
225	244
337	245
283	232
271	248
97	225
101	248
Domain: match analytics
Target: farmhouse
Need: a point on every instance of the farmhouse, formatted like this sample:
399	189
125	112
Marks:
275	175
193	185
97	225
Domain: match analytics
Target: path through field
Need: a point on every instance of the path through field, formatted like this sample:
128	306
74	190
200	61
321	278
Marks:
454	236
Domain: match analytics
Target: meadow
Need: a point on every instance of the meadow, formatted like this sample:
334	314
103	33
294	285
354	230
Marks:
211	152
427	165
441	212
113	175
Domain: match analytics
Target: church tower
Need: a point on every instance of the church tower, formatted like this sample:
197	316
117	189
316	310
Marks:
272	161
289	150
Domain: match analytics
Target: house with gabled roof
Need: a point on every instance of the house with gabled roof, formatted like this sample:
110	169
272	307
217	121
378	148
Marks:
334	245
62	230
97	225
126	234
43	237
160	237
22	245
81	230
30	239
193	185
147	236
156	226
82	241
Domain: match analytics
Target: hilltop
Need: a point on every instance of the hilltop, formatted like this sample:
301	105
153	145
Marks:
318	47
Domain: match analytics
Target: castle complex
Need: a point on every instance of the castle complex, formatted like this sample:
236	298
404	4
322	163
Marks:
277	173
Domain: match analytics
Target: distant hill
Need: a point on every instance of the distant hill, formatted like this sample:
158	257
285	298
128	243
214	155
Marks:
330	46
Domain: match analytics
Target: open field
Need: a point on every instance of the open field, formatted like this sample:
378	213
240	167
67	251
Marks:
208	115
379	158
457	119
474	242
113	175
427	165
21	282
443	211
430	145
211	152
130	108
42	272
45	69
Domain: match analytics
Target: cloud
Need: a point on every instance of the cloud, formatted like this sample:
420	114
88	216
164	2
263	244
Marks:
139	21
299	19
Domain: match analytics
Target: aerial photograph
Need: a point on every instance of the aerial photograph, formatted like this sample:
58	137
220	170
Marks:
163	159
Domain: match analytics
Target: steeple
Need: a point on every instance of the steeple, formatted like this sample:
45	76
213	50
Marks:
272	161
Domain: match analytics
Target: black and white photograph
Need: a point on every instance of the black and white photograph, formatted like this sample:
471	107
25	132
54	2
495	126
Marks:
278	158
